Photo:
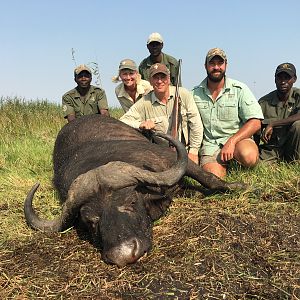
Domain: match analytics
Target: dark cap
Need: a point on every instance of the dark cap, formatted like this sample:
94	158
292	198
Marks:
159	68
215	52
287	68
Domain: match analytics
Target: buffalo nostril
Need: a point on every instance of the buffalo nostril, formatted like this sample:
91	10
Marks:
126	253
135	248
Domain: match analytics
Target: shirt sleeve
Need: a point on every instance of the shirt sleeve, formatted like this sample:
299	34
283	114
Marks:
194	123
134	116
249	107
67	105
263	106
102	100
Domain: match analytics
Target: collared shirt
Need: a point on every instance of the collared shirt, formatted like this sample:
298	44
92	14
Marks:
143	87
168	60
149	107
274	109
91	103
222	118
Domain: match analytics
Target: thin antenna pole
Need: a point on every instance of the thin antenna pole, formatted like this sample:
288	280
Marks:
95	69
73	56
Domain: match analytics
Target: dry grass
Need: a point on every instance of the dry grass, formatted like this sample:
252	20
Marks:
202	249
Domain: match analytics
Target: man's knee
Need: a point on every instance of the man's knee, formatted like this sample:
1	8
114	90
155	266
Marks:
215	168
213	164
295	128
292	151
249	159
247	153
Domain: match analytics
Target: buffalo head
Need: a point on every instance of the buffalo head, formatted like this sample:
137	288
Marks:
117	202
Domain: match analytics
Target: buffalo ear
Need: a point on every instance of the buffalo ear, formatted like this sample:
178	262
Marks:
156	208
89	216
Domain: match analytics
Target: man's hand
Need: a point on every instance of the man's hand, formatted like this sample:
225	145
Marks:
194	158
228	150
104	112
267	133
147	125
70	118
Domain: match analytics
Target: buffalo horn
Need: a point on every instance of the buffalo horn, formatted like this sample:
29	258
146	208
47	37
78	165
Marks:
114	175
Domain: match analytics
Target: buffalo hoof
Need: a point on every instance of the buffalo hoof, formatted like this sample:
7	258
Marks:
237	186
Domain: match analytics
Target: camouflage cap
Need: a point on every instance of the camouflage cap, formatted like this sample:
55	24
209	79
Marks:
159	68
127	64
286	68
155	37
81	68
215	52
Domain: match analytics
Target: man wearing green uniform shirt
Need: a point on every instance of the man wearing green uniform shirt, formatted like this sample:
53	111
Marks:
154	111
231	116
155	44
281	109
85	99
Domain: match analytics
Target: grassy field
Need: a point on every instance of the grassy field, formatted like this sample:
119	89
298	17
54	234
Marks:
228	246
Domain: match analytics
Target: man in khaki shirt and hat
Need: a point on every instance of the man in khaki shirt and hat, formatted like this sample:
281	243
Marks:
85	99
154	111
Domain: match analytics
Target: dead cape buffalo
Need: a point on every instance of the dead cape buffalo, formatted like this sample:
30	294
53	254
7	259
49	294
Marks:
117	183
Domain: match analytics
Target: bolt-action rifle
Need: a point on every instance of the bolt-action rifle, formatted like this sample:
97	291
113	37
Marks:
176	115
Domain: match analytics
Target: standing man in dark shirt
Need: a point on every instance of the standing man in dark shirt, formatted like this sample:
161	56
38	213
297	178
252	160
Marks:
281	109
155	44
85	99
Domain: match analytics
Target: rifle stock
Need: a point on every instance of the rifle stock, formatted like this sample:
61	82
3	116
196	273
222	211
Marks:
176	116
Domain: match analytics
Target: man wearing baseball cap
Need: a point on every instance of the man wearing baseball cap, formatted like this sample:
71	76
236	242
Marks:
155	45
281	109
154	111
132	88
85	99
230	114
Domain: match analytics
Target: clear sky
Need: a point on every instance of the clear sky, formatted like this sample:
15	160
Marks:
37	38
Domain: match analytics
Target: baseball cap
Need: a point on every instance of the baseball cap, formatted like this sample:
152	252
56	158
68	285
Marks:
155	37
127	64
81	68
215	52
287	68
159	68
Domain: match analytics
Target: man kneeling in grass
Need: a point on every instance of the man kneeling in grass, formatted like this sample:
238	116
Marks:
281	126
231	116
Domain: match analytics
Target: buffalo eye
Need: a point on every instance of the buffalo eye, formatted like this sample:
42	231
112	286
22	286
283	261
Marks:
94	221
89	217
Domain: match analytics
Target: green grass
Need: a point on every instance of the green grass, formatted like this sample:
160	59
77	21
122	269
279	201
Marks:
242	245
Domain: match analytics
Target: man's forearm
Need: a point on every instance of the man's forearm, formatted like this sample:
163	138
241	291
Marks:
70	118
130	121
246	131
284	122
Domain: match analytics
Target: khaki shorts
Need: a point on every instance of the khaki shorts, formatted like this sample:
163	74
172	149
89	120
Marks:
215	158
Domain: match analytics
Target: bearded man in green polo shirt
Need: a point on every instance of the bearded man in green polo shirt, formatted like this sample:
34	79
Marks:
85	99
231	116
281	109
